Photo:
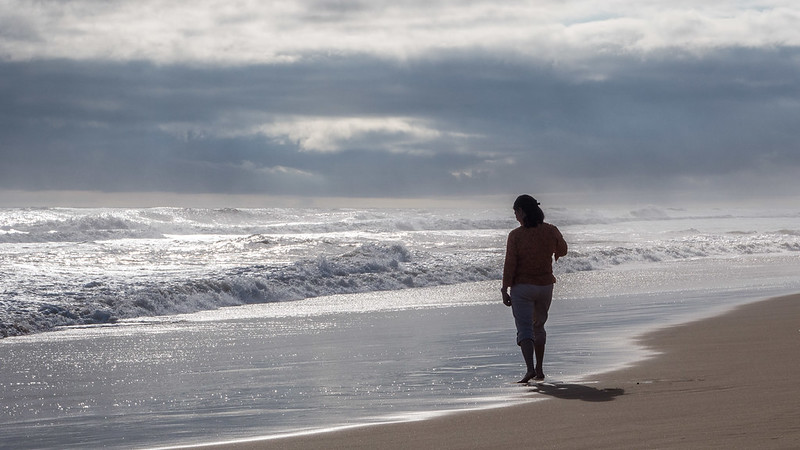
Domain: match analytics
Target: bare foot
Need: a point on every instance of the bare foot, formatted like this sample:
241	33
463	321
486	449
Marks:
528	376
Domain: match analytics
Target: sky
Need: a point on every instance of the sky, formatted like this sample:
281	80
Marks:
386	102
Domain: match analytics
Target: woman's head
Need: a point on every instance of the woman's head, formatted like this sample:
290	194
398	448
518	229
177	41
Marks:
531	215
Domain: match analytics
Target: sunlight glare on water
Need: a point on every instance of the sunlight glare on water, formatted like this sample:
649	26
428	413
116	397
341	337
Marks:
179	326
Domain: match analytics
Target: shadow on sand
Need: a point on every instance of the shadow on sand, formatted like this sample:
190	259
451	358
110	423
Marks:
577	392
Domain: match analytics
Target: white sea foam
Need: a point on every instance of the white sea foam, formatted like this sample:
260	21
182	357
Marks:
139	374
80	266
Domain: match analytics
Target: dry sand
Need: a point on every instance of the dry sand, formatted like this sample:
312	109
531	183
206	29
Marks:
725	382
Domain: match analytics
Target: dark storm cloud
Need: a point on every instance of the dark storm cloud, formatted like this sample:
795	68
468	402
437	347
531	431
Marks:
454	122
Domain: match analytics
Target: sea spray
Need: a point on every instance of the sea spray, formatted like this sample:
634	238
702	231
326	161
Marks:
61	266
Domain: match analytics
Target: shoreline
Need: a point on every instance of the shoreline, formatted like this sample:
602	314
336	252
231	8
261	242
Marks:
697	391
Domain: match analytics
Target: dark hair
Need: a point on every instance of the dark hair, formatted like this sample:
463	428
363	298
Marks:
533	213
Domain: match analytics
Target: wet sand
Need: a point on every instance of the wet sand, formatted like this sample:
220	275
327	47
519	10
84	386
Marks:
725	382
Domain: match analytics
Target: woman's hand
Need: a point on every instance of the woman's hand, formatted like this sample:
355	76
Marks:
506	297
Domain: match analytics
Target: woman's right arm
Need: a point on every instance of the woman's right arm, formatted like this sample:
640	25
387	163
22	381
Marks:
561	245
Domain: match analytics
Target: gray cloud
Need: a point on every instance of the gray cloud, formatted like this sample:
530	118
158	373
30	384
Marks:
457	122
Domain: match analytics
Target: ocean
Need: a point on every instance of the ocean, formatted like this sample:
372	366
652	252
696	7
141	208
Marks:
138	328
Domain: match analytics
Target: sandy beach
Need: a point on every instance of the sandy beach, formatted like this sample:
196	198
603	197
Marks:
724	382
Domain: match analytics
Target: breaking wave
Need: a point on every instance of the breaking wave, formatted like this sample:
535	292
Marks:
303	254
370	267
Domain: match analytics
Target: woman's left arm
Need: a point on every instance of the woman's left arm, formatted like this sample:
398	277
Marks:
509	267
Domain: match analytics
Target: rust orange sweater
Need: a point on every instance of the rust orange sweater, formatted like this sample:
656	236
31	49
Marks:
529	255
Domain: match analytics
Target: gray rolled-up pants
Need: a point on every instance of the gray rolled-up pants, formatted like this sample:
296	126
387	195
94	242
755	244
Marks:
530	304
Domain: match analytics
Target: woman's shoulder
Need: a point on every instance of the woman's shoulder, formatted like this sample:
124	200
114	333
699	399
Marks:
516	231
550	227
543	227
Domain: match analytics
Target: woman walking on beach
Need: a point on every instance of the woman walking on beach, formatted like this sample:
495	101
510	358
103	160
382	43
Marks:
528	272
